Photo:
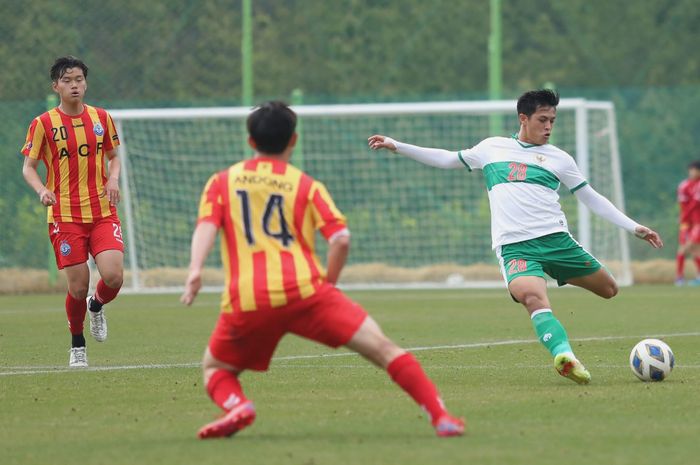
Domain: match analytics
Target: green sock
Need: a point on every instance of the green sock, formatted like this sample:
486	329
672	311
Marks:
550	332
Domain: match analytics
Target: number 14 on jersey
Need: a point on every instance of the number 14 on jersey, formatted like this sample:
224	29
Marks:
274	207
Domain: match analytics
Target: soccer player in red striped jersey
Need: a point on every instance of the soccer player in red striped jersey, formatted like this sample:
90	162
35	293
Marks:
689	223
72	140
268	212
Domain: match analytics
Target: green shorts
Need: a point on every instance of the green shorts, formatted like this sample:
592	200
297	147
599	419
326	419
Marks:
558	255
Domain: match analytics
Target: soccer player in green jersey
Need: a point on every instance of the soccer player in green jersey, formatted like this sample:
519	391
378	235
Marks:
528	228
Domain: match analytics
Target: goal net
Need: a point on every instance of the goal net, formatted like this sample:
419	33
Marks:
412	225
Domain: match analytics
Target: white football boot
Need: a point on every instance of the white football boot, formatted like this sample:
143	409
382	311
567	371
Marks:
78	358
98	322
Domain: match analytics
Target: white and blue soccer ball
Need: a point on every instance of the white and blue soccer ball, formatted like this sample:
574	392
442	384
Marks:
652	360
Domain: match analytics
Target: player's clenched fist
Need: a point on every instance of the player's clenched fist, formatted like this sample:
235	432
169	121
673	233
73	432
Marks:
47	197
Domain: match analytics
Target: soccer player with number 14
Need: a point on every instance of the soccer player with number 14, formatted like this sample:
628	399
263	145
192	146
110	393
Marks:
268	212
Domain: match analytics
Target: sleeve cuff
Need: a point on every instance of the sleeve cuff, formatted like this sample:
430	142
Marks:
331	229
461	158
583	184
345	232
209	219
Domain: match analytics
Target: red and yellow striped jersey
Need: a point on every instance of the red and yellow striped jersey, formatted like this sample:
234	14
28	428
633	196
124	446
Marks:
73	148
269	212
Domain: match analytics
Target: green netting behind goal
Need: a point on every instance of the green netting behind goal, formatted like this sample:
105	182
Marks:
409	222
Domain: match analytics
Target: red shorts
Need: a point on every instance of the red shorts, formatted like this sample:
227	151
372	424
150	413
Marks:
72	241
689	233
247	340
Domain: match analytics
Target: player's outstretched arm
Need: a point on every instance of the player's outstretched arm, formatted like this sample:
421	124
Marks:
605	209
438	158
202	242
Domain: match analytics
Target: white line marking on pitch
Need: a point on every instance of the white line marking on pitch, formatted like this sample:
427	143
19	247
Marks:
35	370
547	366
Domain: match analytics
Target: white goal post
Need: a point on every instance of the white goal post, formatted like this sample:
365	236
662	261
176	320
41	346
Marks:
413	226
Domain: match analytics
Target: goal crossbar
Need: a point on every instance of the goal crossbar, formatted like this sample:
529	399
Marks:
354	109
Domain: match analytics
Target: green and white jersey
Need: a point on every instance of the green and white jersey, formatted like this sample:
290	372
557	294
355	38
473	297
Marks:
522	182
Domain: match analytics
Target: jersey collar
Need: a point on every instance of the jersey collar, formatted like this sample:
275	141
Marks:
523	144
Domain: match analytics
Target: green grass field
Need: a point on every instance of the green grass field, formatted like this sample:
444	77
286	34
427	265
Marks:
142	401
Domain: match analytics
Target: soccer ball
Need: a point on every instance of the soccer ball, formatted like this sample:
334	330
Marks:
651	360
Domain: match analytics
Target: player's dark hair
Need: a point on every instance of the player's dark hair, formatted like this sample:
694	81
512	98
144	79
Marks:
271	125
64	63
530	101
694	164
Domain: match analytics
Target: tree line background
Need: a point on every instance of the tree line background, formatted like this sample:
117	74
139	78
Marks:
641	55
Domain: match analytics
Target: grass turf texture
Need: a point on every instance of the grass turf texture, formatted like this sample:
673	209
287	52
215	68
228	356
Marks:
327	410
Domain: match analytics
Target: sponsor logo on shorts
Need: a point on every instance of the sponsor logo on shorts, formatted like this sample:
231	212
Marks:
28	146
98	129
587	263
65	248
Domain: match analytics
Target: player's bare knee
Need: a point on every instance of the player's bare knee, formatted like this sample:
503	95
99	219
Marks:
211	365
208	361
532	301
78	291
610	291
114	279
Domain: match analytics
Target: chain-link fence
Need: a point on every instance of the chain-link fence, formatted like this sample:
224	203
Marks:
185	53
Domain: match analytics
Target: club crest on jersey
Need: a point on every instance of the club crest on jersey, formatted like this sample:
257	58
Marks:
65	248
98	129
